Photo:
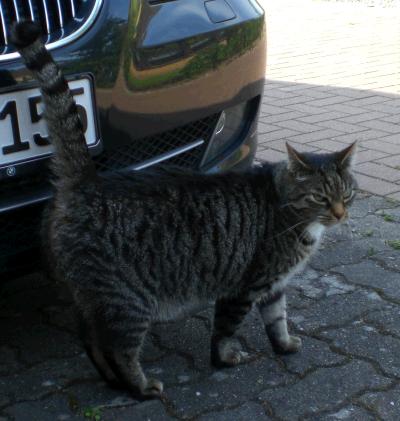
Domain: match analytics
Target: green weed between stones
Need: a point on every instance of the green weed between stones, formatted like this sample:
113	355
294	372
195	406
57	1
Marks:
395	244
388	218
93	414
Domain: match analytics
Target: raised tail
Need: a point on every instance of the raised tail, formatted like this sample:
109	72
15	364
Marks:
71	160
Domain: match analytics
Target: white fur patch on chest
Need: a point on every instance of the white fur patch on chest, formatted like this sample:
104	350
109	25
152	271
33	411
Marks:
316	231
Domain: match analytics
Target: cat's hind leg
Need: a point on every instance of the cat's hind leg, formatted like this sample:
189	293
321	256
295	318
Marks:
226	349
113	340
273	312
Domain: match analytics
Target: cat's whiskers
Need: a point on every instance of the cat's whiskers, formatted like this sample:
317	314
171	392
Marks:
285	205
289	229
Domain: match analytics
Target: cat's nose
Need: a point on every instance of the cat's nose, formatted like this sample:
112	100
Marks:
338	211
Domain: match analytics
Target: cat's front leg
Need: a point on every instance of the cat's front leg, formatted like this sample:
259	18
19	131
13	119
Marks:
273	312
226	349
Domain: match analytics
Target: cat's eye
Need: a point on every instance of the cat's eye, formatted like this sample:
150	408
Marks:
348	196
319	199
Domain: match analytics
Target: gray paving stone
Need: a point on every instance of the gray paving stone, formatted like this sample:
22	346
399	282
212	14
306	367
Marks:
54	408
322	390
313	354
248	411
369	274
228	387
385	404
351	413
315	285
145	411
337	310
357	340
386	321
48	376
96	394
190	337
39	342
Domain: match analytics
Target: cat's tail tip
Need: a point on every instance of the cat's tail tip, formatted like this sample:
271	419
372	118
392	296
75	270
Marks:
24	33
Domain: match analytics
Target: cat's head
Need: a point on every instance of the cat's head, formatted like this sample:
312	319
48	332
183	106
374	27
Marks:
320	187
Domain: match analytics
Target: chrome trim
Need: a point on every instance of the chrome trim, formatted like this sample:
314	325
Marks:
31	9
73	8
16	10
36	196
79	32
60	15
4	25
212	139
164	156
46	15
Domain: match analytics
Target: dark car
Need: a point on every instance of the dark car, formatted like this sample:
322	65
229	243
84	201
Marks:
172	81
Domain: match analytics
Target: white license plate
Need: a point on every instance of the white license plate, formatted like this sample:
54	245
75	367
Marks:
23	132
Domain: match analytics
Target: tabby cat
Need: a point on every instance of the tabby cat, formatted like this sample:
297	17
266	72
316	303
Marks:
147	246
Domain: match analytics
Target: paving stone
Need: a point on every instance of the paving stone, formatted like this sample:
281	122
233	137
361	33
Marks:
171	370
40	342
380	171
386	321
357	340
144	411
335	254
322	390
229	387
385	404
337	310
351	413
370	274
96	394
392	161
365	205
48	376
53	408
313	354
190	337
375	185
367	155
314	285
248	411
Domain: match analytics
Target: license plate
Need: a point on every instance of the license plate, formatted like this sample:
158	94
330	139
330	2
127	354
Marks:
23	131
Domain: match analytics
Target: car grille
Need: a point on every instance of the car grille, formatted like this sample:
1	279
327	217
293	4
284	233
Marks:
179	147
61	20
183	146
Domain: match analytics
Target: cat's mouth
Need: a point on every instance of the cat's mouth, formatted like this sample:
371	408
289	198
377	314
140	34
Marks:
334	220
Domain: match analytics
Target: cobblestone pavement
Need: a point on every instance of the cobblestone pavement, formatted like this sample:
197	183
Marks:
333	76
345	306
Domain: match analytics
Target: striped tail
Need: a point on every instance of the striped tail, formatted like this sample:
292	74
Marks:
71	160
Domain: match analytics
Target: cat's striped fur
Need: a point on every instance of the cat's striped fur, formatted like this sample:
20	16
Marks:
143	247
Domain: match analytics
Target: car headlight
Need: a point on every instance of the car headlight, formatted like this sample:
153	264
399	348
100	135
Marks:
227	132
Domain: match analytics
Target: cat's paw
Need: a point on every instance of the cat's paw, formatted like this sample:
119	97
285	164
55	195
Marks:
291	346
152	388
228	352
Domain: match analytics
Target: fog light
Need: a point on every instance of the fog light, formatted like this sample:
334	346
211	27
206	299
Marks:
227	131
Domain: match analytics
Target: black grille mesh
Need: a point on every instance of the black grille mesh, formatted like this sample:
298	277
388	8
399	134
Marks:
153	146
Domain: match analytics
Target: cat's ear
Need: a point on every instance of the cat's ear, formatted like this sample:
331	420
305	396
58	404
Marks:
296	161
346	157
